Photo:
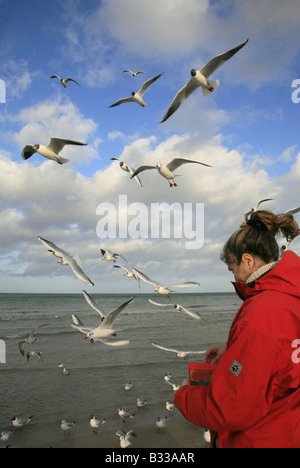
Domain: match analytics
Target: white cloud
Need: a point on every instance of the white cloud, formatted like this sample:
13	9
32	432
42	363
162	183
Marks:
60	204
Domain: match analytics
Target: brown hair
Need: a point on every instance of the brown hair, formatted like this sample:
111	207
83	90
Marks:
257	236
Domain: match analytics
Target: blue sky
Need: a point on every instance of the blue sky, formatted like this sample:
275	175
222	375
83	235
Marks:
248	130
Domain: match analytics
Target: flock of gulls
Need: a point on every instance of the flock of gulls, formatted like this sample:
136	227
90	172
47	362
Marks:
105	331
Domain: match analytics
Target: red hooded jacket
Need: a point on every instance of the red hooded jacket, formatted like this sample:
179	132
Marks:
254	398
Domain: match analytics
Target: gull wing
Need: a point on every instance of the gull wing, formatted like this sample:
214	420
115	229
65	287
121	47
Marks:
55	76
28	151
77	270
142	169
180	97
293	211
172	350
132	171
93	304
53	248
145	278
219	60
79	326
37	328
160	305
146	85
187	284
111	342
71	79
177	162
57	144
122	101
111	317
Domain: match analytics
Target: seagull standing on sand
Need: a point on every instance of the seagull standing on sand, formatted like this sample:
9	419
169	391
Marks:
5	436
64	81
161	423
166	170
105	328
96	423
137	97
67	426
125	414
129	169
51	150
164	290
66	259
170	406
20	422
181	354
177	307
199	78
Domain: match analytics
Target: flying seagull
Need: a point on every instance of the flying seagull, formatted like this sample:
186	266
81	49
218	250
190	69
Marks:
253	210
137	97
133	73
165	290
109	256
105	328
177	307
64	81
31	339
127	168
199	78
50	151
66	259
181	354
166	170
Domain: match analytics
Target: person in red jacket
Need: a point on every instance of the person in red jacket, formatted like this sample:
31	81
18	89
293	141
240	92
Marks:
253	400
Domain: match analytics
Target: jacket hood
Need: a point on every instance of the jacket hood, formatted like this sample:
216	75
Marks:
284	277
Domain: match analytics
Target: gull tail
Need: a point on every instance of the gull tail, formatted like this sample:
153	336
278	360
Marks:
63	160
214	84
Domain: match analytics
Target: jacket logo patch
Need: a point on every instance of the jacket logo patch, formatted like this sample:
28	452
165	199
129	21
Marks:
236	368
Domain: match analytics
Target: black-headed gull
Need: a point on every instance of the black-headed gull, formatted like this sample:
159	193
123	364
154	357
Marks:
128	386
34	354
20	422
125	414
127	168
166	170
253	210
177	307
137	97
67	426
5	436
125	437
64	81
181	354
105	328
109	256
141	402
199	78
50	151
66	259
170	406
134	73
164	290
31	339
161	423
96	423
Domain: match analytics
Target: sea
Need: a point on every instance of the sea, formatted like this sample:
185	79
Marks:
98	373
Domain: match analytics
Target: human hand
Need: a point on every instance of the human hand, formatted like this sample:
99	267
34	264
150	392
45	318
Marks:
214	354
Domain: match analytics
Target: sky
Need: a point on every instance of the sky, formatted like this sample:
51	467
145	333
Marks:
247	130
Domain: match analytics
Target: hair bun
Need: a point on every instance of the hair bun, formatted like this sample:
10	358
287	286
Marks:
257	224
